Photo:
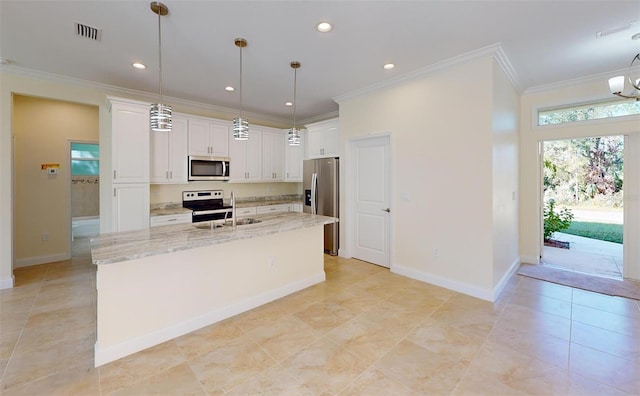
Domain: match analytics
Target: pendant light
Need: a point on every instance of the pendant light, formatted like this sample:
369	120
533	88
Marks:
294	133
616	84
160	113
240	125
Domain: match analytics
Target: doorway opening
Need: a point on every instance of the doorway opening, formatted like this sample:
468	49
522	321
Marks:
583	210
85	194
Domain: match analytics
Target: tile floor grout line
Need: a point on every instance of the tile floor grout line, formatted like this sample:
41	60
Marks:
24	325
486	339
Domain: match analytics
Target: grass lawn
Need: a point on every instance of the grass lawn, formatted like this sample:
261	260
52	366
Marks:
601	231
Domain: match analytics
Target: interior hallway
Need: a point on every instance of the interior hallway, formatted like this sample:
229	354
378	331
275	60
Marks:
363	331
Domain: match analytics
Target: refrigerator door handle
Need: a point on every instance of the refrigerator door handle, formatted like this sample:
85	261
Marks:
314	193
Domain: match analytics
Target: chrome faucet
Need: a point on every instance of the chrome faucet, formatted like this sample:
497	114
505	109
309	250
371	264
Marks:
233	209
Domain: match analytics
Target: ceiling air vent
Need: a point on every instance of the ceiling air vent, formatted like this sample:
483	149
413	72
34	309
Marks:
87	31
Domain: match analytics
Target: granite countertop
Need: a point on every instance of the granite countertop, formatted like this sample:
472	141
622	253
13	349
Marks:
123	246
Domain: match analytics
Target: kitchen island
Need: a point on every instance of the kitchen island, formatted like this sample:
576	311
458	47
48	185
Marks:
159	283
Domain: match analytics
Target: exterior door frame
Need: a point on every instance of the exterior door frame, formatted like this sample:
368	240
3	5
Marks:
350	201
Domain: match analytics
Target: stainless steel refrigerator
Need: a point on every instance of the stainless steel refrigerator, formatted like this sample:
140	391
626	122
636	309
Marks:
321	196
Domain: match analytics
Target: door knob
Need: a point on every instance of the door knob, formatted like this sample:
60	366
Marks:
388	210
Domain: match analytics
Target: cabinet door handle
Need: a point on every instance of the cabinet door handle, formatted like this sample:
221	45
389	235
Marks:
170	174
172	220
166	174
114	174
114	192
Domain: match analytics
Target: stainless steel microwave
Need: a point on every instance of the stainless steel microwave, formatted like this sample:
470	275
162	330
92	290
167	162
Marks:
208	168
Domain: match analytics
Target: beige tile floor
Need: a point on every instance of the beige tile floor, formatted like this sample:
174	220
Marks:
365	331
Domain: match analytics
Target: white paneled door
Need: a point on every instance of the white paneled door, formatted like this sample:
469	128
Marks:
371	186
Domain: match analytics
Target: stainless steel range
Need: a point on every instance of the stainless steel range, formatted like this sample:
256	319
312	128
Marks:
206	205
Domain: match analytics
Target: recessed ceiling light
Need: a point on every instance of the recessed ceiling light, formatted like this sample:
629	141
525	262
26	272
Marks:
324	27
138	65
288	104
4	61
635	36
229	89
389	66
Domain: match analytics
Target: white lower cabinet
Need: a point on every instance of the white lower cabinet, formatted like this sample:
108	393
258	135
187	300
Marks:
272	208
245	212
181	218
130	207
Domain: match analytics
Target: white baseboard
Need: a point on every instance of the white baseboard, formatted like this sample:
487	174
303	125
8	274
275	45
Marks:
497	290
461	287
530	259
29	261
115	352
7	283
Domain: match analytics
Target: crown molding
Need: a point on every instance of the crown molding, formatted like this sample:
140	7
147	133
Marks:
112	90
323	117
494	50
590	79
505	64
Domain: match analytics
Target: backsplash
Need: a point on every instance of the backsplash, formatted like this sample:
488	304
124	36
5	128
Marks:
172	193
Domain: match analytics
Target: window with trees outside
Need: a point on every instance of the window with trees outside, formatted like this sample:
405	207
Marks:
592	111
85	159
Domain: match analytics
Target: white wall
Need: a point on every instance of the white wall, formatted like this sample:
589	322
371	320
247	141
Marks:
530	137
442	147
506	109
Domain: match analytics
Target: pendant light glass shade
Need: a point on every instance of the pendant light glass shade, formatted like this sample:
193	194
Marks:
240	125
160	114
160	117
240	129
616	84
293	136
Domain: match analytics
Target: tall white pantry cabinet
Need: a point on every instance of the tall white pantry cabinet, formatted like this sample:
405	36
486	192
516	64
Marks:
130	133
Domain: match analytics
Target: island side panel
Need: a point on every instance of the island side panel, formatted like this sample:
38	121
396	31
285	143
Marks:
147	301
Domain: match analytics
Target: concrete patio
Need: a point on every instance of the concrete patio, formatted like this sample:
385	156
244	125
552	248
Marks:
586	255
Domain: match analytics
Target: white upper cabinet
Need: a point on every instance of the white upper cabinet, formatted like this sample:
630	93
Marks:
293	157
129	142
208	137
273	142
323	139
169	154
246	157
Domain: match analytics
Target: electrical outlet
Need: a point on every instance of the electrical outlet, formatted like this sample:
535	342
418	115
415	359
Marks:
45	236
436	252
272	262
